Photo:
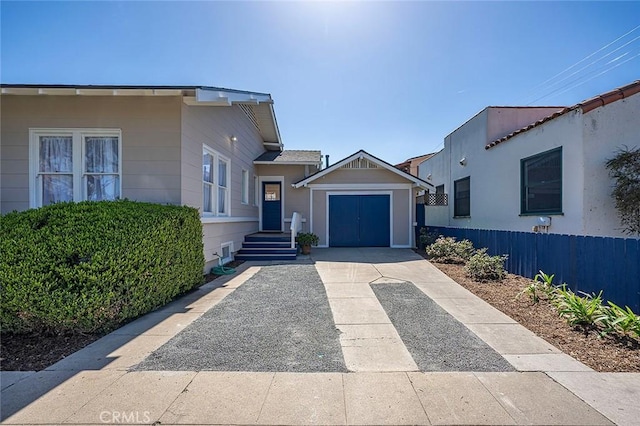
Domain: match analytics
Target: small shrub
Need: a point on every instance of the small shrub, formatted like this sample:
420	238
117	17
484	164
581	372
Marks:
578	310
427	238
90	266
482	267
448	250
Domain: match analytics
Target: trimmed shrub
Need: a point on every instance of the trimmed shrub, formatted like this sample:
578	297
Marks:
91	266
482	267
448	250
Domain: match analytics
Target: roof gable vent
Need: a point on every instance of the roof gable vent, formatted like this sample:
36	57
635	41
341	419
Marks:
250	113
360	163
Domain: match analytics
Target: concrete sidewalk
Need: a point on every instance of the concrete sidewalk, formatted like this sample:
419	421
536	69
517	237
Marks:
95	386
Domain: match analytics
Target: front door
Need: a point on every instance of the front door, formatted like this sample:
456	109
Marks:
271	206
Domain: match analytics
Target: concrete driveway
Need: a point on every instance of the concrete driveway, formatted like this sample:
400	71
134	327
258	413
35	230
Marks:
384	384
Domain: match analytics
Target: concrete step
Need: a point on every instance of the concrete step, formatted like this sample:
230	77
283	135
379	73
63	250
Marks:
267	250
265	256
266	244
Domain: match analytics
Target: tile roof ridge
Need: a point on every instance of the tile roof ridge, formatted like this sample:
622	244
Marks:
585	106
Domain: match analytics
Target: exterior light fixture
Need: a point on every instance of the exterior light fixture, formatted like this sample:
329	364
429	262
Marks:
234	138
463	161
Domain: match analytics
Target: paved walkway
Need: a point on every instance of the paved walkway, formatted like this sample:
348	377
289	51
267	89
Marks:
96	386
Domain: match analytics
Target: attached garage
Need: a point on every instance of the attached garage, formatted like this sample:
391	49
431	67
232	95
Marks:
362	201
360	220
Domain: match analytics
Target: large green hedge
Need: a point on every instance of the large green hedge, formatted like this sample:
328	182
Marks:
91	266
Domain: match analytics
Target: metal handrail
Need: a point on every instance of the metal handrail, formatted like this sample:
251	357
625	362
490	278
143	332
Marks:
296	226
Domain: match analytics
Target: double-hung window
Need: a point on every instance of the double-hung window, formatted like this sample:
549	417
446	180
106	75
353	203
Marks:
541	183
215	183
74	165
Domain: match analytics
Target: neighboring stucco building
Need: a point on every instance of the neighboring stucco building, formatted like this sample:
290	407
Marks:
410	165
506	167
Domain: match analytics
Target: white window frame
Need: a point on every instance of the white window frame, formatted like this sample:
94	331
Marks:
78	159
245	187
229	245
215	186
256	190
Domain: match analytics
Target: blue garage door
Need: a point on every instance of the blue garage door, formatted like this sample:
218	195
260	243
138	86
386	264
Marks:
359	220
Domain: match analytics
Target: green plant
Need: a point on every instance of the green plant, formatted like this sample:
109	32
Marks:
625	169
448	250
622	320
482	267
307	239
92	266
427	238
578	310
542	283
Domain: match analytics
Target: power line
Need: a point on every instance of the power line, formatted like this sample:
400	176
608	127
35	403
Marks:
540	90
587	57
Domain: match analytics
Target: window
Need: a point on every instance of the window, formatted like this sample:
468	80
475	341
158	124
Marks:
74	165
440	189
462	197
215	183
541	183
245	187
223	189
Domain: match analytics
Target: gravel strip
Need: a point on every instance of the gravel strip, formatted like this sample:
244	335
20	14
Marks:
435	339
279	320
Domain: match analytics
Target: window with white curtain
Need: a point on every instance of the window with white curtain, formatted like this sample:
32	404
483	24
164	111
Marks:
74	165
215	183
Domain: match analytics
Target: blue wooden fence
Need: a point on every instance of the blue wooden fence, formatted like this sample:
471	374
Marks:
587	264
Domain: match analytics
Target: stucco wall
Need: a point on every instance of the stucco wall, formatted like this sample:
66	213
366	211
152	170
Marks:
606	129
503	120
495	174
436	171
150	141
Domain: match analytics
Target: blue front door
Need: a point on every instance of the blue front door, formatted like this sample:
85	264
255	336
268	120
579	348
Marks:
271	206
359	220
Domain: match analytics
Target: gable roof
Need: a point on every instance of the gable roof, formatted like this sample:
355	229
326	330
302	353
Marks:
258	107
363	154
586	106
290	156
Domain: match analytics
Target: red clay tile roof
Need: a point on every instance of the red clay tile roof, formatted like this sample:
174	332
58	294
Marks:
586	106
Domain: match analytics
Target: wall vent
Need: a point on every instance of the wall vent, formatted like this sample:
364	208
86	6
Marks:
360	163
250	113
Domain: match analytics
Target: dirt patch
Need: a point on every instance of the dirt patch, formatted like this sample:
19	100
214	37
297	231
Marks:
37	351
604	354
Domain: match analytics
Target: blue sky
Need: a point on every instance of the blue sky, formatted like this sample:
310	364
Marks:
393	78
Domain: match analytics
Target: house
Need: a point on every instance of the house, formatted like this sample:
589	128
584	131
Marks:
537	175
410	165
218	150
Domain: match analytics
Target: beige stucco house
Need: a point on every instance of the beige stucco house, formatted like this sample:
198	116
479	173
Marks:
218	150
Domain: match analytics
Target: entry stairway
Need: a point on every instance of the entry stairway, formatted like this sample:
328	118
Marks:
267	246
